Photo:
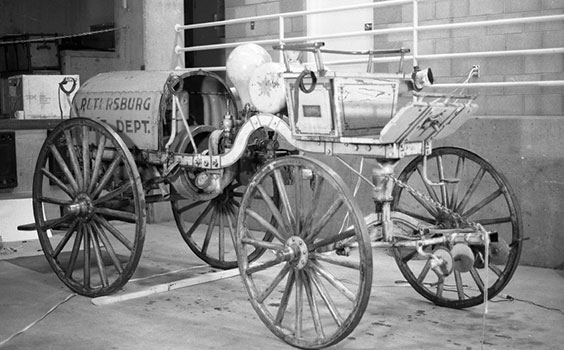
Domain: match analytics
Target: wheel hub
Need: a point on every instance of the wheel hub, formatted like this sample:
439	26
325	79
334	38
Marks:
446	220
81	207
296	250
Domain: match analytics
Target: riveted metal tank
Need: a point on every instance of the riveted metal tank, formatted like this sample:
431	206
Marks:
137	104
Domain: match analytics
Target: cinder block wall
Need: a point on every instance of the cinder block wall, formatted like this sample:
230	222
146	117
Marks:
518	130
263	29
527	101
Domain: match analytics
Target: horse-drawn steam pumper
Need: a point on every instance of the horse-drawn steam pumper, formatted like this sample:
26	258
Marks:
237	166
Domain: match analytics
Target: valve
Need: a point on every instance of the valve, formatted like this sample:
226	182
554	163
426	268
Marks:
227	135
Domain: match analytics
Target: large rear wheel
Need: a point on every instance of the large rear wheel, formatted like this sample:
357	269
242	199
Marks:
89	207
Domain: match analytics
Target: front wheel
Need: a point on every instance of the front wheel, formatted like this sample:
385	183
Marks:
302	290
476	193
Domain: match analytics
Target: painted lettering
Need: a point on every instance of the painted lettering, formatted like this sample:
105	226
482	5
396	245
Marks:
115	103
130	126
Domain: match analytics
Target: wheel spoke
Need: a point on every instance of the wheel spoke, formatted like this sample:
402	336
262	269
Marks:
428	207
332	239
63	165
98	255
86	253
325	218
308	222
190	206
495	269
230	220
326	297
109	248
54	223
455	189
333	281
75	251
85	156
285	298
104	223
199	219
338	260
429	188
440	287
106	178
284	197
283	226
113	194
459	285
298	324
262	244
209	230
97	163
407	257
424	271
55	201
117	214
298	201
477	279
65	239
275	282
265	224
419	217
493	221
443	188
313	305
482	203
263	265
74	160
221	236
471	189
58	182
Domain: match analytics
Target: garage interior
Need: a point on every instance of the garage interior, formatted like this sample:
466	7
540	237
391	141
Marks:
512	57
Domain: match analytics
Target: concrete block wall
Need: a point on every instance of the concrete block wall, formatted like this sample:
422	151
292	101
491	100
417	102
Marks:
494	101
262	29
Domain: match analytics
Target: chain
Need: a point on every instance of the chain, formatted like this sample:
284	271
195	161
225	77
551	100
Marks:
436	204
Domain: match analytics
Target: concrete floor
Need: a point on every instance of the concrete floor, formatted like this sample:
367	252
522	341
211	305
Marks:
217	315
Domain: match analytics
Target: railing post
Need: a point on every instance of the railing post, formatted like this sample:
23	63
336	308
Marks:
415	47
281	37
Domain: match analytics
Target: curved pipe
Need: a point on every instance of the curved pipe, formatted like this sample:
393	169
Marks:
258	121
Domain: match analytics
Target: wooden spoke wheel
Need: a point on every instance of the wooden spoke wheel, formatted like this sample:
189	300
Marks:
477	193
207	222
208	226
301	289
89	207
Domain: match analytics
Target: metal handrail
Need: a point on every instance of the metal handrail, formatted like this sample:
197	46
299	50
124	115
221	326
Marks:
179	27
415	29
